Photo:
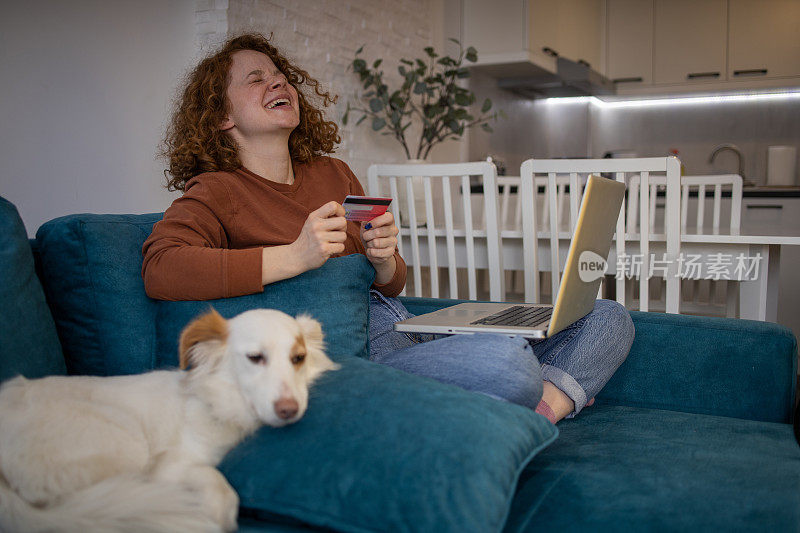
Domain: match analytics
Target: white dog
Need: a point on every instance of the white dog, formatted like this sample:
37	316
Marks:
138	453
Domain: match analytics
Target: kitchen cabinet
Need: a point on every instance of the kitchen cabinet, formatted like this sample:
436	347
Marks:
764	39
572	28
509	31
630	42
690	41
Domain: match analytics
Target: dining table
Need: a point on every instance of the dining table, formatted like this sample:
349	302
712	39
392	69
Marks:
753	261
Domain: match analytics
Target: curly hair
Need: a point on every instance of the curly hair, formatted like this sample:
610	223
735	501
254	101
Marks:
194	142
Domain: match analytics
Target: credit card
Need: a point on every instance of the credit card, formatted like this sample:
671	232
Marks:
364	208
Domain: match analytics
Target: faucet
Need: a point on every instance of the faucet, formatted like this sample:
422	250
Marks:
735	149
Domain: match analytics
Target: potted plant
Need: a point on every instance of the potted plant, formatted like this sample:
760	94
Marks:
429	94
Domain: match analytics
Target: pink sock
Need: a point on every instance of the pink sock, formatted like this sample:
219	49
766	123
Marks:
544	409
590	403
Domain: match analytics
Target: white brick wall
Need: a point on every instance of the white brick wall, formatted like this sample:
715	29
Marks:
321	36
211	24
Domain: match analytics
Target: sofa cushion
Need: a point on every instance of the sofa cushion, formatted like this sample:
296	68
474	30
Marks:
626	468
28	341
381	450
92	270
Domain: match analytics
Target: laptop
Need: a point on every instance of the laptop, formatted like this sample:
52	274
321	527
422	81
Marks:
580	281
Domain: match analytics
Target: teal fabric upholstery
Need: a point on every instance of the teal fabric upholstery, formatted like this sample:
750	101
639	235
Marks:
381	450
626	468
377	450
92	268
29	343
737	368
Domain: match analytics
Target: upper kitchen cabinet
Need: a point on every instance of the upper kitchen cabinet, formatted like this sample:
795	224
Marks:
571	28
690	40
507	32
764	39
630	42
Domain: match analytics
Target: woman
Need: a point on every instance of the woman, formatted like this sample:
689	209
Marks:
247	147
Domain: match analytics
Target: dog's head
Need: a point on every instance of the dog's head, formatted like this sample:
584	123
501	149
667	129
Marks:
269	356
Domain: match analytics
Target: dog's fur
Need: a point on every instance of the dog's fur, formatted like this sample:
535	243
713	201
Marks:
137	453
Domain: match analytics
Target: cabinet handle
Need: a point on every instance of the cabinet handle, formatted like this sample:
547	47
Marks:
764	206
585	63
751	72
628	80
549	51
696	75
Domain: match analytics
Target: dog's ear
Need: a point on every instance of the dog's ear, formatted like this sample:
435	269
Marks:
318	362
210	327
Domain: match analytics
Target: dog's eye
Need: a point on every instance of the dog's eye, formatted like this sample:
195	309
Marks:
298	359
256	358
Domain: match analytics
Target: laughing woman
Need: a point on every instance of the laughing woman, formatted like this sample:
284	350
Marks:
247	147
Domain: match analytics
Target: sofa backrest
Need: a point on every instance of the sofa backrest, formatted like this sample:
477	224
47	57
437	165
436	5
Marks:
91	269
718	366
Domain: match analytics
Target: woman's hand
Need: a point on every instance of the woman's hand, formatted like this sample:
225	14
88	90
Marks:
380	241
322	236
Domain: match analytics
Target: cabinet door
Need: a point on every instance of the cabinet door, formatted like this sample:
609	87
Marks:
764	39
690	41
497	27
630	42
571	28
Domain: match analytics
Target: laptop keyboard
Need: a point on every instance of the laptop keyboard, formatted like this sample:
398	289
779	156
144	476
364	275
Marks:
517	315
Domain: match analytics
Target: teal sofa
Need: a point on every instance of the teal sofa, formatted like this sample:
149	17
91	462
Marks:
692	433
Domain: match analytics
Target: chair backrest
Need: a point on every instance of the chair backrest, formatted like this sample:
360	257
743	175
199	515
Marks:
689	184
511	204
575	171
476	246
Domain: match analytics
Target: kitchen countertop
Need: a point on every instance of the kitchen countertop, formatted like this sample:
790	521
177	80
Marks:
769	192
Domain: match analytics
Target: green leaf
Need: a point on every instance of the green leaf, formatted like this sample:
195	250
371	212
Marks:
344	118
359	65
420	87
487	128
454	40
421	63
453	125
472	54
376	104
362	119
429	51
407	62
462	73
378	123
402	70
359	50
377	63
462	99
487	105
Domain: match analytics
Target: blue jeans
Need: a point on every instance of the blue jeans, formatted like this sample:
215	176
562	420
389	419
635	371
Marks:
578	360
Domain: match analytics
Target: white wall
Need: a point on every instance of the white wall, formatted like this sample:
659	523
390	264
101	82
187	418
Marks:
87	85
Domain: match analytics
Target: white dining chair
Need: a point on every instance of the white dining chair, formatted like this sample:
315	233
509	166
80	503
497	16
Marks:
450	238
698	296
576	171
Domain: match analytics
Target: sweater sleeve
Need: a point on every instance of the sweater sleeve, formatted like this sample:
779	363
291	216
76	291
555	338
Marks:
395	285
187	256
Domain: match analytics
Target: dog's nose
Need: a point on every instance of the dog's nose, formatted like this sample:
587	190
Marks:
286	408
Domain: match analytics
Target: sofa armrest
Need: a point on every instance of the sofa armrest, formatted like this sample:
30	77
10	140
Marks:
718	366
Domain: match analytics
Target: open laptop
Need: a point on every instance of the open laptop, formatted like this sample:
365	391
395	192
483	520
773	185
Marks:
580	281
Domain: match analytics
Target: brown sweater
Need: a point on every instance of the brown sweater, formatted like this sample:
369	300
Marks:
208	244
